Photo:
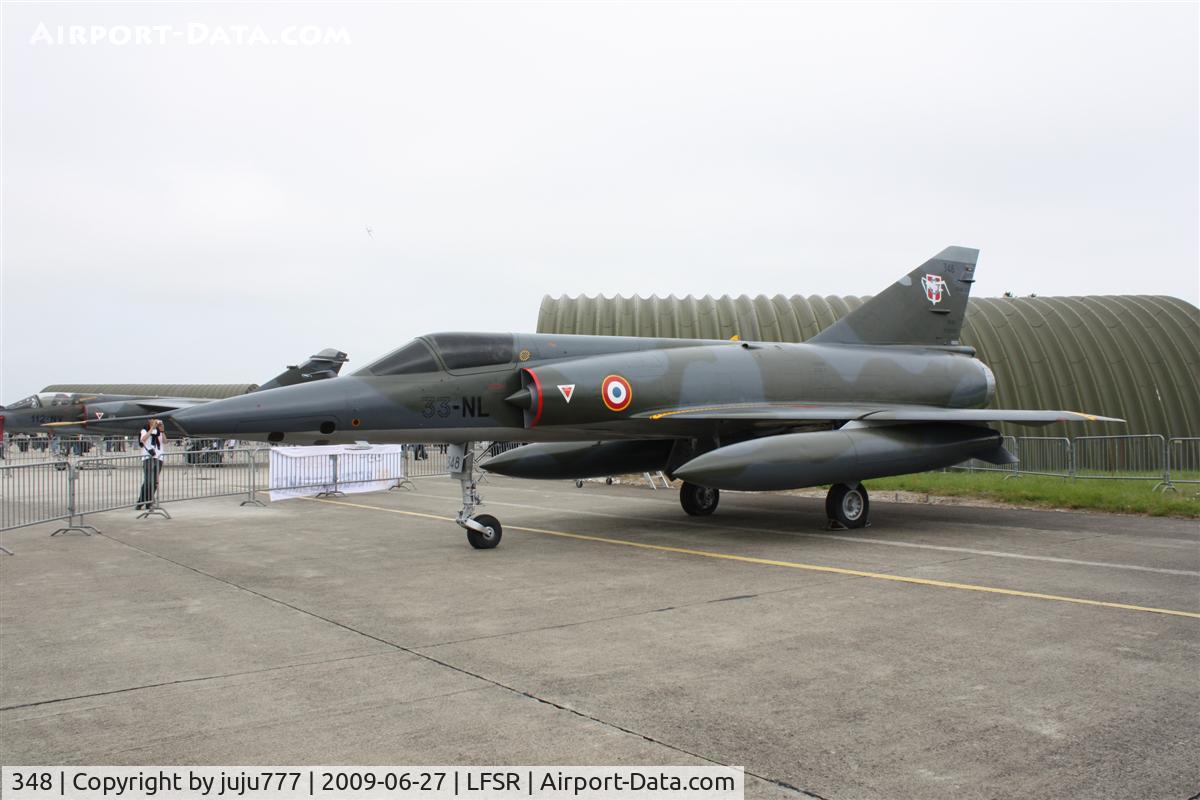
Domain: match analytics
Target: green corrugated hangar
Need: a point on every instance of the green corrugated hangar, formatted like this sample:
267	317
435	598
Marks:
1136	357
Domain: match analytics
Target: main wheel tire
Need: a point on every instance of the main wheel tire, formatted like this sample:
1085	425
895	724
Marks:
849	506
485	541
699	501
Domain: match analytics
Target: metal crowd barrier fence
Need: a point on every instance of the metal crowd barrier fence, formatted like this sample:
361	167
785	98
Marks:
1036	455
426	460
1120	458
31	494
68	489
429	460
496	448
47	488
1140	457
43	487
108	483
1183	460
23	448
1044	455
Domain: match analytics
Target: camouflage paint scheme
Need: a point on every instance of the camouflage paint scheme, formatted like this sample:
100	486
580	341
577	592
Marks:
78	411
886	390
896	358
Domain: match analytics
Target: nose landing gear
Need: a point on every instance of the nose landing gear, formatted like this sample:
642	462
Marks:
483	531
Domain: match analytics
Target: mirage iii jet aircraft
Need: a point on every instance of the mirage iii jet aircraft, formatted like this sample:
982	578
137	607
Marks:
887	390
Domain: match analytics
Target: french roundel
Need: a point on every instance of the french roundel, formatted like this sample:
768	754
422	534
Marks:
616	392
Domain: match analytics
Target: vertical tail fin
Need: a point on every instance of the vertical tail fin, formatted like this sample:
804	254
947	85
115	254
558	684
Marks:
925	307
325	364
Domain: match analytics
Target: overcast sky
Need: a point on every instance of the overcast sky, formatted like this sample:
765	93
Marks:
194	208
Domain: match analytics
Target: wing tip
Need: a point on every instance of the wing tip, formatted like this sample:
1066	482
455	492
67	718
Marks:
1083	416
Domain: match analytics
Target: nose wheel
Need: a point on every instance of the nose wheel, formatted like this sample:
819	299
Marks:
847	506
487	538
698	501
483	531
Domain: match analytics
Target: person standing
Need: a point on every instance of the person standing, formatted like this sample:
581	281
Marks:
154	442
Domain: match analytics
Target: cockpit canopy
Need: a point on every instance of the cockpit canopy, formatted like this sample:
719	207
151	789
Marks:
28	402
467	350
44	400
410	359
457	351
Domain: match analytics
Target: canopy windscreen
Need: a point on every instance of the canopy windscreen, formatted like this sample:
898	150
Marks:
413	358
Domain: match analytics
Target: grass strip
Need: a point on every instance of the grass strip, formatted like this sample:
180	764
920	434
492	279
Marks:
1122	496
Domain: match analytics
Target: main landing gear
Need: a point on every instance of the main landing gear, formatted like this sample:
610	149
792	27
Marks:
699	501
847	506
483	531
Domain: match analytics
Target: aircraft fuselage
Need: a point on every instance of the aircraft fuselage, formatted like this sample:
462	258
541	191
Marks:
564	388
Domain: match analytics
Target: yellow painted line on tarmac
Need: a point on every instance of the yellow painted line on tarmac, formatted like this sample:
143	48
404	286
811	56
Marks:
857	573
